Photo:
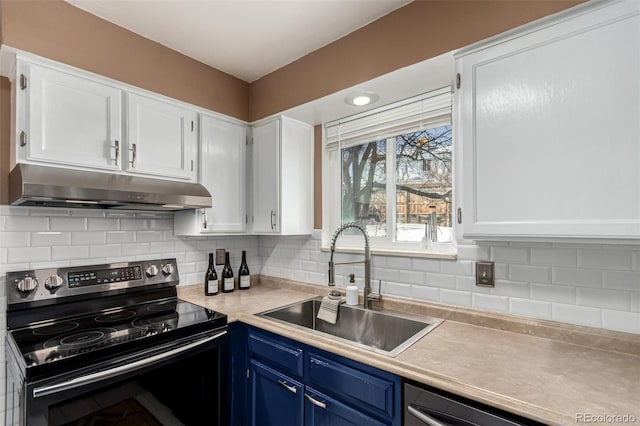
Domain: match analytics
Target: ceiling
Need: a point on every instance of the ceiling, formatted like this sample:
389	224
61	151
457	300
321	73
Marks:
245	38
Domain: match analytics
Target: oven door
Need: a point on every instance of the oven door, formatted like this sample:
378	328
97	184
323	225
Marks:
181	383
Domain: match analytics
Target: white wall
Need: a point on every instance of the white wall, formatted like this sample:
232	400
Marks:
585	284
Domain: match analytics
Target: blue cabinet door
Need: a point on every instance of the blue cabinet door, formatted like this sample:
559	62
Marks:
276	400
321	410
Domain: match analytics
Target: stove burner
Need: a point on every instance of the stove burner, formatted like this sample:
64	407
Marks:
80	339
167	305
61	327
157	322
115	316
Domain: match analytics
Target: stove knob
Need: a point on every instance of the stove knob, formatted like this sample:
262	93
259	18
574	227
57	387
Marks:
27	285
151	271
53	282
167	269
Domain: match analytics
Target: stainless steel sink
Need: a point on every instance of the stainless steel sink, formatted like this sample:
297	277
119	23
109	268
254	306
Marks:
381	331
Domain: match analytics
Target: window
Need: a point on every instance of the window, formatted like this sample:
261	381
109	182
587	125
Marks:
390	170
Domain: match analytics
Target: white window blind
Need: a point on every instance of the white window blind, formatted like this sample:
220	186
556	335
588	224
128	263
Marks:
428	110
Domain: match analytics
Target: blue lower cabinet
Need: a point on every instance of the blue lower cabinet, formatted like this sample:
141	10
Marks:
276	399
321	410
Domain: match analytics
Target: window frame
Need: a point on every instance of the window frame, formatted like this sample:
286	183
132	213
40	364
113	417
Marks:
332	196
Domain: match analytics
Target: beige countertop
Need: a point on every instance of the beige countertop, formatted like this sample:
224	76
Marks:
546	379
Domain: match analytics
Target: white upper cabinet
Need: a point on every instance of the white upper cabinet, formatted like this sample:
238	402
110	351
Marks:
70	120
282	177
161	138
549	133
223	172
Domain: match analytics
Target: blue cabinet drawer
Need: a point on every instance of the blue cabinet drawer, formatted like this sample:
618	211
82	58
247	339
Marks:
279	354
351	385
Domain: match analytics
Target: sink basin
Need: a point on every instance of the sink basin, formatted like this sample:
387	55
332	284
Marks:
381	331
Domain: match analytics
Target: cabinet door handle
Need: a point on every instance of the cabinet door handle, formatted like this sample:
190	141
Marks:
315	402
204	219
133	150
284	384
117	147
273	219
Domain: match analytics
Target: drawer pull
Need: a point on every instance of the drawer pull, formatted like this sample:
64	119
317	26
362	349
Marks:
315	401
284	384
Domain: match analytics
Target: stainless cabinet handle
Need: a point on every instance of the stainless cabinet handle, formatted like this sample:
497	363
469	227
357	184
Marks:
284	384
204	219
273	219
120	370
424	418
315	402
117	146
133	150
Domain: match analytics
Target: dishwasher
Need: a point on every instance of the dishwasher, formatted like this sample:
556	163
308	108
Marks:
428	406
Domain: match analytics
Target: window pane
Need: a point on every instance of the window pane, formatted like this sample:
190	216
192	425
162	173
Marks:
364	186
423	185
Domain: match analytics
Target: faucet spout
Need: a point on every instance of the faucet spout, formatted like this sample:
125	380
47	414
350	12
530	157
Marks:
367	262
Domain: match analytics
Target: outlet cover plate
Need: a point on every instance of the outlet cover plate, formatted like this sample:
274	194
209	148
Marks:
485	274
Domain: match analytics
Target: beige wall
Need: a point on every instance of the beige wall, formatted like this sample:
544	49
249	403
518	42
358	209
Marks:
419	31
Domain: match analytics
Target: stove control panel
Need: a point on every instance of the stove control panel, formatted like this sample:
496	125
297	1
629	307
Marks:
23	288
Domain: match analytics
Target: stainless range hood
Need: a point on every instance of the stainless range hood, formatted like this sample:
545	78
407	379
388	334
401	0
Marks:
34	185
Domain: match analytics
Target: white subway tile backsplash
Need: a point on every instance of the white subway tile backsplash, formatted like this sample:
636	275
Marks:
455	297
120	237
161	224
135	249
411	277
69	252
67	224
29	254
554	257
577	277
86	213
440	280
622	280
26	223
468	252
540	274
608	299
510	288
576	314
469	284
2	221
45	211
397	289
102	224
635	301
403	263
88	238
50	238
161	247
460	267
134	224
427	265
553	293
530	308
15	239
605	259
425	293
511	254
490	302
621	321
108	250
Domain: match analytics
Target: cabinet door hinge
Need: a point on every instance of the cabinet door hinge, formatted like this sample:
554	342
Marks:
459	216
23	81
23	138
458	81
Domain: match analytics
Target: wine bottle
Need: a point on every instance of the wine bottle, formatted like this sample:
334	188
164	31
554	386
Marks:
211	282
244	277
227	275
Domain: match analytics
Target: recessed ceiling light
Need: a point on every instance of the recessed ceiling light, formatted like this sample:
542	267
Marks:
362	98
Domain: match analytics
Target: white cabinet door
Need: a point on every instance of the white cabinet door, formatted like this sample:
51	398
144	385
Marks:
71	120
266	178
161	138
223	171
551	132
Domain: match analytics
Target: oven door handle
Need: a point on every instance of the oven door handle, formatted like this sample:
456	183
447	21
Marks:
122	369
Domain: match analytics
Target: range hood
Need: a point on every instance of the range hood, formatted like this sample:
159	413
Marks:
35	185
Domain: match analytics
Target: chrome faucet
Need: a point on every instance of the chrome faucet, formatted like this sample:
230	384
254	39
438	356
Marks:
368	295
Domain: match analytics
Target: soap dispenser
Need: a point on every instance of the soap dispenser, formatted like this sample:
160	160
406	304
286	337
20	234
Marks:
352	291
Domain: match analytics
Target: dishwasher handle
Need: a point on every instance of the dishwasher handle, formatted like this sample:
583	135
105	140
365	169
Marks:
419	413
